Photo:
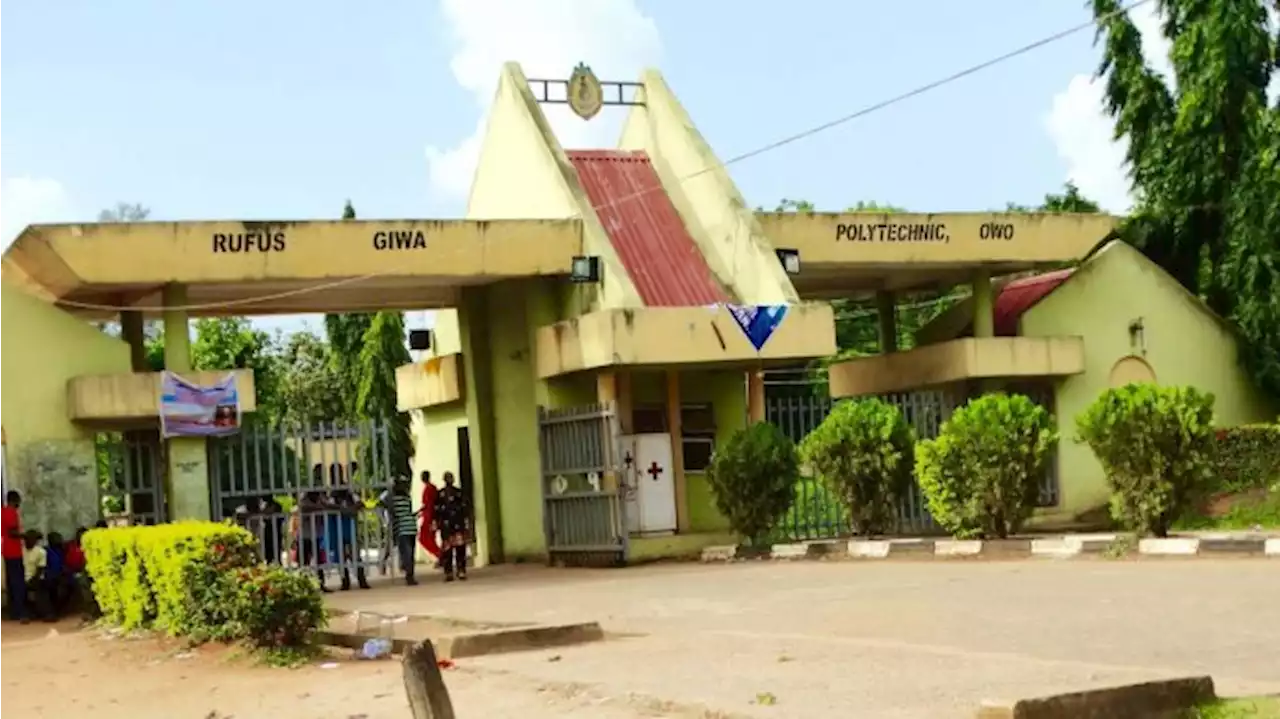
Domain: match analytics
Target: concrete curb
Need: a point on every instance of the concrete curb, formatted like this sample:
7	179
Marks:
493	641
1136	701
1061	547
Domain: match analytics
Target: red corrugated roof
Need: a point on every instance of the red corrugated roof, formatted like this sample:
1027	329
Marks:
1020	295
664	262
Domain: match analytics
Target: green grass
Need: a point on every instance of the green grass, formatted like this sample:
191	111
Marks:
1253	707
1264	514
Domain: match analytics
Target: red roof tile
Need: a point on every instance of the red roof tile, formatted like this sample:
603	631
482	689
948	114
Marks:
1022	294
662	259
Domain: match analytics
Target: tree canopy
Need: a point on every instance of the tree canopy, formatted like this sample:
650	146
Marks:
1204	158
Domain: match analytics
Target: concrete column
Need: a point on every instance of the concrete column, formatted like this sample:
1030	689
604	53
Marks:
473	334
755	395
984	319
886	309
677	450
187	488
625	403
133	332
984	311
607	392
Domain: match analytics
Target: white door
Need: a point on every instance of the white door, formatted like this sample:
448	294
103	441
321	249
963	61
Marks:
655	483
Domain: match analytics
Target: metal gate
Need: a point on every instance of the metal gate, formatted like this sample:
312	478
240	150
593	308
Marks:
313	496
131	476
583	509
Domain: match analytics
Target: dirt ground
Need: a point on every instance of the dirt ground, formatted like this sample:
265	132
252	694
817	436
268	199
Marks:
71	672
807	639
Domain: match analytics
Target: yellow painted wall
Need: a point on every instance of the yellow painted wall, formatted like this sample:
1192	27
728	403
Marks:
713	210
727	393
435	446
1186	345
49	458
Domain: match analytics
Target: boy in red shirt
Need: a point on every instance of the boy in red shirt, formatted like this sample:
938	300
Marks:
15	574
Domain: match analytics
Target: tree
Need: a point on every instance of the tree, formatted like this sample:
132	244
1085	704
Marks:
385	348
1202	158
125	212
1069	201
346	332
310	387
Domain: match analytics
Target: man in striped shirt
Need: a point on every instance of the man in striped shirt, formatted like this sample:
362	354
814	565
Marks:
404	526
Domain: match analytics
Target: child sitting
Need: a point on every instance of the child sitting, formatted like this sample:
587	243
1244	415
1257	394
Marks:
35	560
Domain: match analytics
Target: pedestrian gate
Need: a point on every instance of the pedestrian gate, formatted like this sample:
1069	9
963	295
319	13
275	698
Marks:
311	495
582	507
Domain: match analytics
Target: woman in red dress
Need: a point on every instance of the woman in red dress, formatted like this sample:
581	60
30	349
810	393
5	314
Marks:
427	532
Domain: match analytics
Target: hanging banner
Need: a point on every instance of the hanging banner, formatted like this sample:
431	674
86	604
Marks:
758	322
188	410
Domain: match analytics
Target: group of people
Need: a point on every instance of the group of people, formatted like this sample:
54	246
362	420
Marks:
444	512
41	580
324	530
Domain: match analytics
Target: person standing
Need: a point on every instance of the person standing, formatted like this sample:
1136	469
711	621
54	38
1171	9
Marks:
405	527
452	518
426	526
15	573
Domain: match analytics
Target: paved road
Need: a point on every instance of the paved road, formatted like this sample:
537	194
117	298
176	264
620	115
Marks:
878	639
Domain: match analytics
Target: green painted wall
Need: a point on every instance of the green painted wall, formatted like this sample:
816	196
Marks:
726	391
1185	345
49	458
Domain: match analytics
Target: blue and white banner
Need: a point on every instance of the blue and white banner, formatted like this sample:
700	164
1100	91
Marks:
758	321
189	410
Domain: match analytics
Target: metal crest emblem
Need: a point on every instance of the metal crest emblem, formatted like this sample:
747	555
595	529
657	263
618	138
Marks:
585	95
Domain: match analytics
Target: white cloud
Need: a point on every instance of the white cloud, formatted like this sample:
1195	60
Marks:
548	38
1082	131
28	200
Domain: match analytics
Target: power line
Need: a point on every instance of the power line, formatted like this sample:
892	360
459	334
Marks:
804	134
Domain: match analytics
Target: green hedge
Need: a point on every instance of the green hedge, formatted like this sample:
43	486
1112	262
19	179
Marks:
200	580
1247	458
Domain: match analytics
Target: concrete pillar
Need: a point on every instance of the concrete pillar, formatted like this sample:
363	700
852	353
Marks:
755	395
473	333
886	309
625	403
133	331
677	450
606	393
187	488
984	311
984	319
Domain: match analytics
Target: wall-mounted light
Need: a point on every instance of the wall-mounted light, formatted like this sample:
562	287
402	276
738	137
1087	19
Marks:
790	260
420	340
1138	336
585	269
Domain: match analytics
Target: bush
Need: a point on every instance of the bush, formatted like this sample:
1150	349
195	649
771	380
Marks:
981	476
1156	447
753	477
863	449
200	580
1247	458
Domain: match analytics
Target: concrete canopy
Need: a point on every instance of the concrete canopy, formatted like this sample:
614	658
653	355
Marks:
847	253
237	268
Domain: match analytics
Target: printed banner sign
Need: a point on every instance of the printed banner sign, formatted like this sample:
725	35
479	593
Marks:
188	410
758	322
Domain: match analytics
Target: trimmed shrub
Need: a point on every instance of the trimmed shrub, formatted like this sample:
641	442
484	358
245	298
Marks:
200	580
863	450
981	476
1156	445
753	478
1246	458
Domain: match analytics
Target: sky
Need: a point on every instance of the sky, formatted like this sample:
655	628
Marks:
285	109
